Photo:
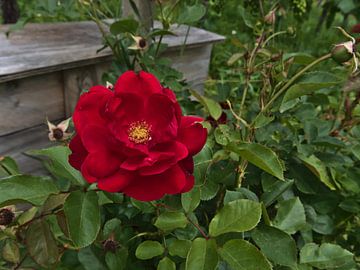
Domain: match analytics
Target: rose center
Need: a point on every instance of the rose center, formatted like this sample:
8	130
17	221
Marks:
139	132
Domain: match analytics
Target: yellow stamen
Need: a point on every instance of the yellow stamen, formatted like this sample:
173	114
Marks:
139	132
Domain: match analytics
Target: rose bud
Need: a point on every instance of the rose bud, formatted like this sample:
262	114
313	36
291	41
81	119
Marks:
6	216
140	43
343	52
270	18
110	245
58	133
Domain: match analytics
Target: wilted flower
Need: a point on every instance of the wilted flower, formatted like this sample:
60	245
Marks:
110	245
270	18
58	133
6	216
109	86
141	43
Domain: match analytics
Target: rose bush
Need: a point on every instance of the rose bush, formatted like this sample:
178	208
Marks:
135	139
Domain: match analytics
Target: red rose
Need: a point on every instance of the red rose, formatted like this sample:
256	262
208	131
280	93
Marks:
134	139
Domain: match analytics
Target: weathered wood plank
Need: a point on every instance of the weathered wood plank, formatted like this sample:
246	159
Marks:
27	102
75	80
15	145
194	64
43	47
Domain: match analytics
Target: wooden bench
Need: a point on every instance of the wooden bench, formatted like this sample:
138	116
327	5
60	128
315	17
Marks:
44	67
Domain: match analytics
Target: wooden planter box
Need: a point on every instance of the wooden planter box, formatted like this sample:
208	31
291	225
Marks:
44	67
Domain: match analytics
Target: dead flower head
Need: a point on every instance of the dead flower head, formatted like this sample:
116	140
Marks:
58	132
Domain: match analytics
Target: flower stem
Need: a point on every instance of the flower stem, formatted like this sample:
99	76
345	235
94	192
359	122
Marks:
292	80
198	228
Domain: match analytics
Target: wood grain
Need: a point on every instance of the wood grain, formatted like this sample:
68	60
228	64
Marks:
41	48
15	145
27	102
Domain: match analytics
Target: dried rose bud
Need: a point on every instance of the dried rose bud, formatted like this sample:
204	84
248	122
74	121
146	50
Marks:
6	216
58	132
141	43
270	18
109	86
343	52
110	245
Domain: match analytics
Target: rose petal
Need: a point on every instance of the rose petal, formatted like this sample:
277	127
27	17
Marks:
97	138
100	164
142	83
116	182
192	134
90	108
78	154
168	155
187	165
190	181
154	187
163	121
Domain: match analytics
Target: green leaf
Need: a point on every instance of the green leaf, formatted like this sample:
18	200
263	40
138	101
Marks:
145	207
149	249
318	169
54	202
241	255
311	82
11	252
83	217
41	243
213	107
110	227
169	221
209	190
260	156
9	165
236	216
356	151
117	260
299	58
263	120
32	189
277	245
27	215
124	26
327	256
290	216
191	14
161	32
190	200
202	162
59	156
277	189
89	260
202	255
240	193
179	248
166	264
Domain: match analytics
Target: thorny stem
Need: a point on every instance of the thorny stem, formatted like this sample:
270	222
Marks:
198	228
272	36
21	262
292	80
187	217
265	215
249	70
